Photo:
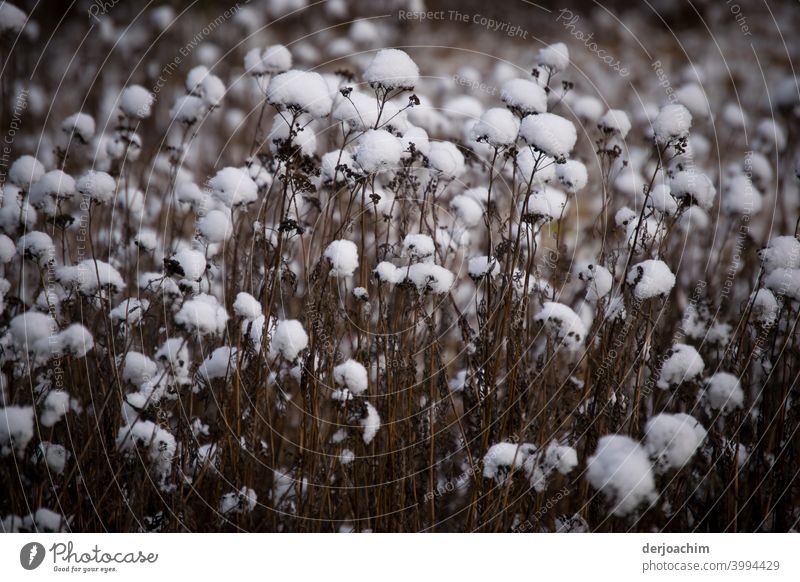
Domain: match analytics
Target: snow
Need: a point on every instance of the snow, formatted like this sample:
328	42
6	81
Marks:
136	102
784	282
498	127
276	58
650	278
81	125
695	187
187	109
371	423
212	90
672	123
418	247
194	78
392	69
188	264
445	158
352	376
130	311
480	267
31	331
661	199
547	204
12	19
549	133
242	501
51	188
218	364
288	339
429	277
202	316
539	466
7	249
598	281
331	166
694	98
55	406
544	166
16	429
782	252
25	171
572	175
468	212
233	187
342	256
524	96
386	272
587	108
672	439
740	196
621	470
173	354
616	122
247	306
272	60
362	112
300	91
54	455
44	520
765	307
97	186
562	325
158	444
554	57
138	369
301	136
378	150
37	247
624	216
771	134
724	392
90	276
254	63
75	341
216	226
502	457
684	364
417	137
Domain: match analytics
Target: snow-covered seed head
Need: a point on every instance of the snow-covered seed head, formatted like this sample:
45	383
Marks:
392	69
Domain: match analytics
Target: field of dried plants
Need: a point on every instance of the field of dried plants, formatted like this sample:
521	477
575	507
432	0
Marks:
394	268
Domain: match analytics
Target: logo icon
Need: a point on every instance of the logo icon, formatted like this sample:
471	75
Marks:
31	555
